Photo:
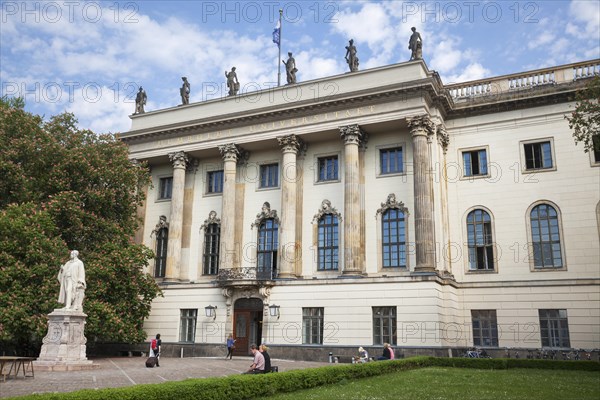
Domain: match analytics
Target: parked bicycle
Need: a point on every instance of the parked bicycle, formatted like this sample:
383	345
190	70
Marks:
476	353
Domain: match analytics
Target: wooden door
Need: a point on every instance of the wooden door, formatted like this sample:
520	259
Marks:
242	332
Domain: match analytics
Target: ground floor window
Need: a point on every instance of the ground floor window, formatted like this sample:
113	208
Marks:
312	325
554	328
485	328
187	329
384	325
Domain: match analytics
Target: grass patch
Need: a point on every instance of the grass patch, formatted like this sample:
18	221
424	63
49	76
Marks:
459	383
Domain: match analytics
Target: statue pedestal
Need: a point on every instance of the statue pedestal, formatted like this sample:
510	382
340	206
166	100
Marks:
63	347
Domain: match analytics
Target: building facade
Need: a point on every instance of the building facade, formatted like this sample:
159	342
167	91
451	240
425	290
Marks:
378	206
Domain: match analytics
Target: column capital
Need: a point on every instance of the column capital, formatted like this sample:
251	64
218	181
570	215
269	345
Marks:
443	137
232	152
352	134
291	144
421	125
179	159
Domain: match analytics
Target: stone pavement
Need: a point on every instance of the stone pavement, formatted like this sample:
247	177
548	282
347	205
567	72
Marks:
128	371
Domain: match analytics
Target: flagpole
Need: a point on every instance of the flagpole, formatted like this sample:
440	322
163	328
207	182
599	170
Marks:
279	63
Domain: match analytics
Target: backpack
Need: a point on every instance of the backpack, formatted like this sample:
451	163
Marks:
153	345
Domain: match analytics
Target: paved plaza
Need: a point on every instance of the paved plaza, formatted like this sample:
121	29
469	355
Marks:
128	371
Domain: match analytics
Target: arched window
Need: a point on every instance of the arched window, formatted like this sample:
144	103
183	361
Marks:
212	239
160	262
545	237
480	241
268	243
328	243
393	237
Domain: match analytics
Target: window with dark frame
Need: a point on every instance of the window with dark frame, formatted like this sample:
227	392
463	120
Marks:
268	243
269	175
187	326
393	238
475	162
391	160
312	325
384	325
160	262
328	168
165	188
215	182
212	240
596	148
554	328
538	155
485	328
545	237
328	243
480	241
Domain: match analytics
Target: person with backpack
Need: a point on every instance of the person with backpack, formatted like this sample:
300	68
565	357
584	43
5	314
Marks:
155	348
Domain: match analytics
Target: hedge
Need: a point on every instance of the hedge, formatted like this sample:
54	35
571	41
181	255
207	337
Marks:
240	387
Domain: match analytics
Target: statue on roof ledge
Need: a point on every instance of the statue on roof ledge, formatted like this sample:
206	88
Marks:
290	68
415	45
232	82
185	91
140	101
351	57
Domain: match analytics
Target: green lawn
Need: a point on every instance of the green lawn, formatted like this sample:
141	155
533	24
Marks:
462	383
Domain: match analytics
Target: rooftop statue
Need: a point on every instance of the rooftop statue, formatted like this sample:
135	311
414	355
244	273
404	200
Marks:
290	68
415	44
232	82
140	101
351	57
185	91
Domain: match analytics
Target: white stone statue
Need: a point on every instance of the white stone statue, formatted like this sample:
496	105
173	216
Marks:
72	283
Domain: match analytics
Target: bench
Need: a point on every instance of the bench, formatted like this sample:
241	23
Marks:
11	366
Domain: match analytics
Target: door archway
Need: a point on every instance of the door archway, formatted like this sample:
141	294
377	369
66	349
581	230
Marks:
247	323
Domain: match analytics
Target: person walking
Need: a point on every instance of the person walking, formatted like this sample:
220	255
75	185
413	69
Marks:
230	346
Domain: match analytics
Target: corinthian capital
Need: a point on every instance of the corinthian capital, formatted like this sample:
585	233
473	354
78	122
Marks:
420	125
352	134
230	152
291	143
179	159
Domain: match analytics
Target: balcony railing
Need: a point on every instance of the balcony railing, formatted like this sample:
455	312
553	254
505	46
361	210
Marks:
245	274
525	80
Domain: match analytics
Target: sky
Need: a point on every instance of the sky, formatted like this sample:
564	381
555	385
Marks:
90	57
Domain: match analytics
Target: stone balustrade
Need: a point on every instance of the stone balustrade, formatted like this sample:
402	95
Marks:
541	77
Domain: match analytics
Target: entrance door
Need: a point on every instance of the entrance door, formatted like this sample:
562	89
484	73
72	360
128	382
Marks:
242	333
247	324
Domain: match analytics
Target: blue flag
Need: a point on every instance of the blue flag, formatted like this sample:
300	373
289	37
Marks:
277	33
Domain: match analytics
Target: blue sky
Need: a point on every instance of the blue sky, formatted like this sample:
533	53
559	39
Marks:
89	57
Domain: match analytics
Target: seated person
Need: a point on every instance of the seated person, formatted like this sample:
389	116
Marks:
363	356
386	352
258	366
263	349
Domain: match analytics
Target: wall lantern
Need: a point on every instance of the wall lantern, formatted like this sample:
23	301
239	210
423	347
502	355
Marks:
211	311
274	311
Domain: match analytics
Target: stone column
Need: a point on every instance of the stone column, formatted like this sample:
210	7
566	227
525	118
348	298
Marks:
228	251
290	146
179	160
420	127
352	136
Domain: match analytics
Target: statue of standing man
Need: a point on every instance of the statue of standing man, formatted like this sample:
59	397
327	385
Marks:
72	283
351	57
185	91
415	44
140	101
290	68
232	82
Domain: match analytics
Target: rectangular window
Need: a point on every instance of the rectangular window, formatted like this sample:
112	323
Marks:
187	328
212	238
554	328
215	182
312	325
328	240
165	188
475	162
538	155
328	168
596	148
384	325
269	175
485	328
391	161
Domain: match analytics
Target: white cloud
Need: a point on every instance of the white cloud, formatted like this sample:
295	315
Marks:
588	13
472	72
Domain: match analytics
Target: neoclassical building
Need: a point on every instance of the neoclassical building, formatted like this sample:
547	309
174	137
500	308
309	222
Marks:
378	206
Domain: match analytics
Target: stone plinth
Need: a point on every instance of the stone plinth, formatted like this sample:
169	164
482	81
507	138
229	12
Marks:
63	347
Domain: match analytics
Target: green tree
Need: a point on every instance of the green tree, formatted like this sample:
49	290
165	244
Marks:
585	120
66	188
